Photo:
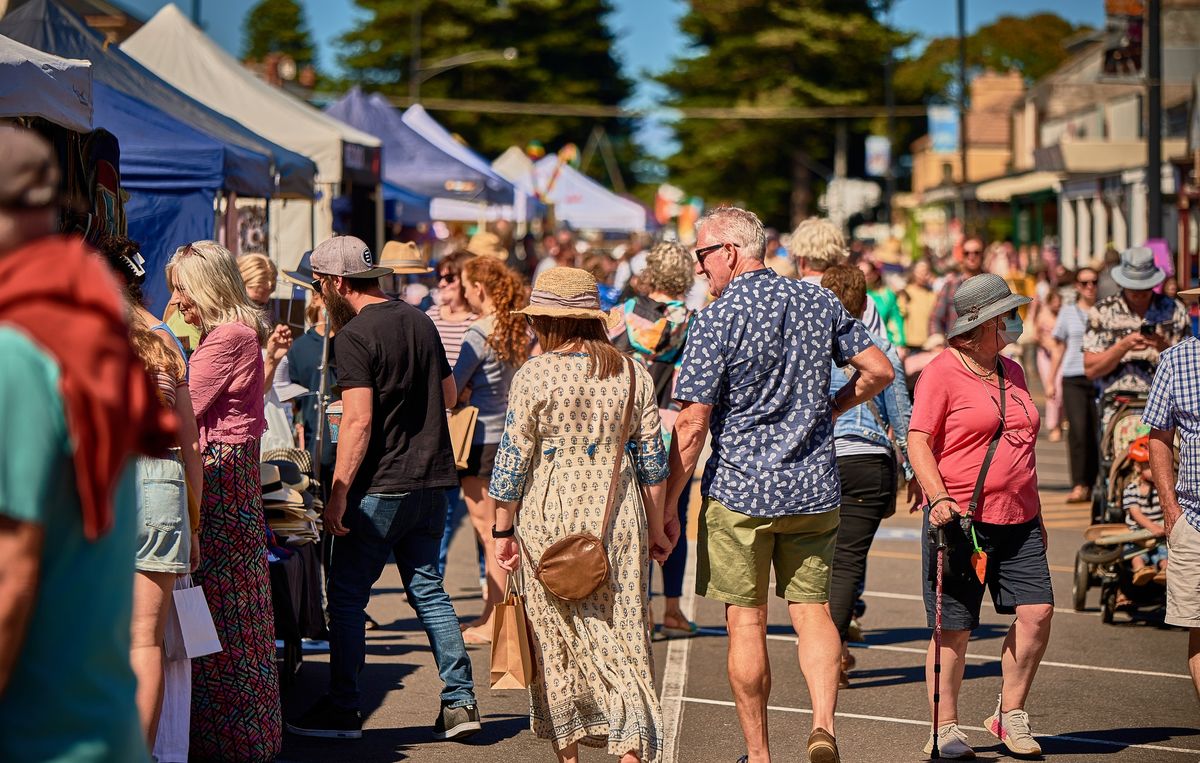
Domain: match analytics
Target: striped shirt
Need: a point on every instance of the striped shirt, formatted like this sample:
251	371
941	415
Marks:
451	332
1133	498
1070	328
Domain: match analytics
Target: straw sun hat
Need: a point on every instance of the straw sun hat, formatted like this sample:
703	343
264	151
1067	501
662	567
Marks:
568	293
404	258
980	299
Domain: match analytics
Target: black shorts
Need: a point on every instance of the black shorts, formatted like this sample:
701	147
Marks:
1017	572
480	461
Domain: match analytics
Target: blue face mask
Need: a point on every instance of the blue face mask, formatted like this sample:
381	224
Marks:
1013	328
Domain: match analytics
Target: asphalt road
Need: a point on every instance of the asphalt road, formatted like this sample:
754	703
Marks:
1115	692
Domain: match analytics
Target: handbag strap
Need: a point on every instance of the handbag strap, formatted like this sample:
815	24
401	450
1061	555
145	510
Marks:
622	439
977	496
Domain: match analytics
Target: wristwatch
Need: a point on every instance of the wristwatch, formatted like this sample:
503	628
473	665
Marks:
504	533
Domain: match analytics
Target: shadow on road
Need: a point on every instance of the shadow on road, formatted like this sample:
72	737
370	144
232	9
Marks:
1075	742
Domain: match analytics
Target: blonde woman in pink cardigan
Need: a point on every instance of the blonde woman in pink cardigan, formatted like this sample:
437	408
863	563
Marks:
235	693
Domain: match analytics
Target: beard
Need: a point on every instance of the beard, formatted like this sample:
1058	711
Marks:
339	308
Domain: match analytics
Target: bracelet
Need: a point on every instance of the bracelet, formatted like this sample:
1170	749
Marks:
943	499
510	532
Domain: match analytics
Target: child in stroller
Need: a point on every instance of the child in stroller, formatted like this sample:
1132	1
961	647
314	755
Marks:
1142	512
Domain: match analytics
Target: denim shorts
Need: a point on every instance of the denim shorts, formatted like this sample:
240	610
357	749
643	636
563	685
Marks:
1017	572
164	538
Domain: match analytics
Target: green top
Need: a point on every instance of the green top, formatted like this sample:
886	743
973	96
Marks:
71	694
889	313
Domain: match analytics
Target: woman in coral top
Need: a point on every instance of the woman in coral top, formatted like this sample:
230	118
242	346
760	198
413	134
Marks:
967	396
235	693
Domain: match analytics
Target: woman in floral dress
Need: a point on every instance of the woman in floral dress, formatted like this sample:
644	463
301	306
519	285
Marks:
593	681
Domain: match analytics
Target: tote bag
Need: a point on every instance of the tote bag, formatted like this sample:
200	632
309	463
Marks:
193	626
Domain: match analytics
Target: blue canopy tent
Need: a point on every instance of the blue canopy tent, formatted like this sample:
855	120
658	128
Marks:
411	161
403	206
172	173
250	163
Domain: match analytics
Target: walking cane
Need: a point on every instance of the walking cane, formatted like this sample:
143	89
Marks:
940	540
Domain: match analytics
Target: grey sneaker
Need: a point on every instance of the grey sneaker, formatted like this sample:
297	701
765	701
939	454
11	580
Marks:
457	722
952	743
1012	728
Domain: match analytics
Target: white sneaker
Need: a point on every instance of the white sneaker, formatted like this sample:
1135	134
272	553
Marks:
952	743
1012	728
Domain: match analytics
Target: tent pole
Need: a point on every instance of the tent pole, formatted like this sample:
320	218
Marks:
379	217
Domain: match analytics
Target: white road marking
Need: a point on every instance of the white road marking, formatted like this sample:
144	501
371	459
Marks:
925	724
986	601
676	670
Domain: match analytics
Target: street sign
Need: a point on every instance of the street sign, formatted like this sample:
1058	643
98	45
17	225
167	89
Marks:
943	129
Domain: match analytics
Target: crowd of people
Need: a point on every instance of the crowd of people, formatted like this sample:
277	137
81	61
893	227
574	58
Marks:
597	380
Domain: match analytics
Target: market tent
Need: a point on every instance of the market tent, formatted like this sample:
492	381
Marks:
251	163
403	206
523	207
411	161
578	200
172	173
37	84
171	47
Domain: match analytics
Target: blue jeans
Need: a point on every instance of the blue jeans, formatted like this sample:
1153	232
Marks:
408	525
455	512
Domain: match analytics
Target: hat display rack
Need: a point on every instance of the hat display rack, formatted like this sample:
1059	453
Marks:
291	500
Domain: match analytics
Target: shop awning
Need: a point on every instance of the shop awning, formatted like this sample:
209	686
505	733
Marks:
1003	189
37	84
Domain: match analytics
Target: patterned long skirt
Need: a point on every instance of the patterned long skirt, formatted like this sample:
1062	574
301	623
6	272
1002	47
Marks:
235	693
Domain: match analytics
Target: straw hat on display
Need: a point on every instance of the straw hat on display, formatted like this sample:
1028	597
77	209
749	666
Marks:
275	492
404	258
569	293
981	298
484	244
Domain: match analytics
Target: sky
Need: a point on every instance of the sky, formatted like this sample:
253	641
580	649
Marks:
648	36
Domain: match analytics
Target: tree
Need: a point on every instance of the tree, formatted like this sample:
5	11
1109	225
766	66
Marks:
1033	45
277	26
565	55
773	53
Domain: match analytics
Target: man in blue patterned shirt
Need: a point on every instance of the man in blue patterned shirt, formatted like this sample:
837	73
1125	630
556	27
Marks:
1174	404
756	371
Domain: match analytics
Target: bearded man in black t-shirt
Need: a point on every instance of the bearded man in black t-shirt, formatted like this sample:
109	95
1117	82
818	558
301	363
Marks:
393	464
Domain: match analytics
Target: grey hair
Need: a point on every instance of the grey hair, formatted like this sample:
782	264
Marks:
741	227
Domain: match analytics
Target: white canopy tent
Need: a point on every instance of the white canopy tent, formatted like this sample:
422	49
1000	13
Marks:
578	200
37	84
171	47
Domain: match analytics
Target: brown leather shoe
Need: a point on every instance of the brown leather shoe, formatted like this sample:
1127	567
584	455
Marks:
822	747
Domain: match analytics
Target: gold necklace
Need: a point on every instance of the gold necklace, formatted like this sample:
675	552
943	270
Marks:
968	362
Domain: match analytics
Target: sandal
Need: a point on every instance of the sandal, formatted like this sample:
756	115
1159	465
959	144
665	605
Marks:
664	632
1079	494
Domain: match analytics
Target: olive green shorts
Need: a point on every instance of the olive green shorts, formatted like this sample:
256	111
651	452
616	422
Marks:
737	551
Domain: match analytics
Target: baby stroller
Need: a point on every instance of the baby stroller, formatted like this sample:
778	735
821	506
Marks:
1105	559
1123	412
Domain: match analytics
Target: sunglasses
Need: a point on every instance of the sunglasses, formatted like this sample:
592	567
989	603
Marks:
972	251
707	250
1087	281
447	277
318	285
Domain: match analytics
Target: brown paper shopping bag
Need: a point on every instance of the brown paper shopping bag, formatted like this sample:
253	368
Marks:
512	663
461	422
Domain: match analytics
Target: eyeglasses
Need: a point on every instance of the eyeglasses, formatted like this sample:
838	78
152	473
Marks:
1087	282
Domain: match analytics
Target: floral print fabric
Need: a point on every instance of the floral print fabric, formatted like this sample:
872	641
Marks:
593	679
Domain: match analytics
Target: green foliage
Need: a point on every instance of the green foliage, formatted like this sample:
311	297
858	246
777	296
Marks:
565	55
277	26
1032	45
771	53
